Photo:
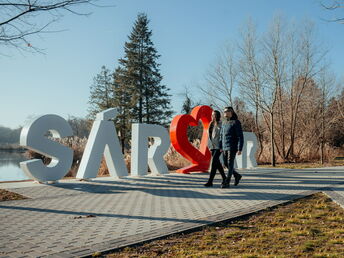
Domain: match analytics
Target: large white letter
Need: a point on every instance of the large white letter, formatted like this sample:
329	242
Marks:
103	139
252	146
247	159
32	137
140	152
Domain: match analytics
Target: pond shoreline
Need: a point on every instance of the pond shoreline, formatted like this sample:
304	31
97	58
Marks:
9	164
12	148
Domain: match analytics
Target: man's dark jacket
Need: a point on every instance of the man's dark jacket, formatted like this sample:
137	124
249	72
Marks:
231	136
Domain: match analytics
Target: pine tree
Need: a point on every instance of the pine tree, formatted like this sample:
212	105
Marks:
123	102
187	105
101	92
140	76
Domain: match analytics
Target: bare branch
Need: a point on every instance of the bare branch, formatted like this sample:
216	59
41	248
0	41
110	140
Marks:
333	6
17	19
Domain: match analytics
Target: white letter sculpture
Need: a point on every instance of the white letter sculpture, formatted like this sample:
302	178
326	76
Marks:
103	139
155	153
33	137
247	159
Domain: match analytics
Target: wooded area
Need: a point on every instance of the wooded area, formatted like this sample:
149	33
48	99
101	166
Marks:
285	90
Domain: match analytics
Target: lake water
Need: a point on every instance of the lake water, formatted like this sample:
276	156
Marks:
9	166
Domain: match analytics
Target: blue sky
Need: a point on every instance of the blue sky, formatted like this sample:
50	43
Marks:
187	34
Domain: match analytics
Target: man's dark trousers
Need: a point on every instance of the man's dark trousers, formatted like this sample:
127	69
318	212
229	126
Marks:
229	158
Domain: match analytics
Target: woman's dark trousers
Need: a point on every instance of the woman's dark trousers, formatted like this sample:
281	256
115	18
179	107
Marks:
229	158
216	165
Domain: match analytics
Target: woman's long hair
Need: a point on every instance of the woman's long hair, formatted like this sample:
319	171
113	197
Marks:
217	121
217	116
234	115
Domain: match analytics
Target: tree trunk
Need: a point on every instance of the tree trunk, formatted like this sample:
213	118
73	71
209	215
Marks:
140	110
258	133
273	159
147	107
141	82
322	152
122	142
322	132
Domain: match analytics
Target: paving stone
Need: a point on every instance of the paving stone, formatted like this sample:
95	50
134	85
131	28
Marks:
75	218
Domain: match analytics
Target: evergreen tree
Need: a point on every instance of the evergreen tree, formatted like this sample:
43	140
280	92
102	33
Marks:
122	101
101	92
139	76
187	105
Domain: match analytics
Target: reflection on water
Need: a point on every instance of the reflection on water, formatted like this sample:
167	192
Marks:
9	166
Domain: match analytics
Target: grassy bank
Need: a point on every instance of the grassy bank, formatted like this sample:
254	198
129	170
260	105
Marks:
309	227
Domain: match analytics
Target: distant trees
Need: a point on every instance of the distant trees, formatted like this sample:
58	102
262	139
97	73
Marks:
81	126
9	136
102	92
135	87
188	103
335	133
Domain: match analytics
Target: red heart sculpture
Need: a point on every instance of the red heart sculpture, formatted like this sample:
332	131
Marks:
200	159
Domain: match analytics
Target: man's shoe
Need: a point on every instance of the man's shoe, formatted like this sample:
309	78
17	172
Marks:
208	184
225	185
237	179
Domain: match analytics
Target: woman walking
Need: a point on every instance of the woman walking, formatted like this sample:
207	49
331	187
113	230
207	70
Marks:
231	143
214	147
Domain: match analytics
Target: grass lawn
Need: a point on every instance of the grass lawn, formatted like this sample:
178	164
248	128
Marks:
309	227
10	196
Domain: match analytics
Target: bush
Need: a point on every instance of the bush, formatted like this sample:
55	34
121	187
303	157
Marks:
173	159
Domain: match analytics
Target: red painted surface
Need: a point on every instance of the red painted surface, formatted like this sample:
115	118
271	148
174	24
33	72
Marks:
200	158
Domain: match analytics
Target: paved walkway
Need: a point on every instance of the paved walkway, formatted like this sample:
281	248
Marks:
75	218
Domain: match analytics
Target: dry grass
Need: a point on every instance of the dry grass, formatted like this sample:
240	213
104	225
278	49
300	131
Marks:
173	159
10	196
310	227
304	155
303	165
75	143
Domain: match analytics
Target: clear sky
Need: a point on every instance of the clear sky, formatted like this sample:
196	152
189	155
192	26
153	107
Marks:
187	34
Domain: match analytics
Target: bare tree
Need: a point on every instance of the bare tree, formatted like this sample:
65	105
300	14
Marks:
19	19
326	84
250	79
339	101
335	134
303	65
281	80
276	79
81	126
221	79
273	71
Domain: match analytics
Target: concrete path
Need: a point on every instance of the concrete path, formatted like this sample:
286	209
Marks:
74	218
